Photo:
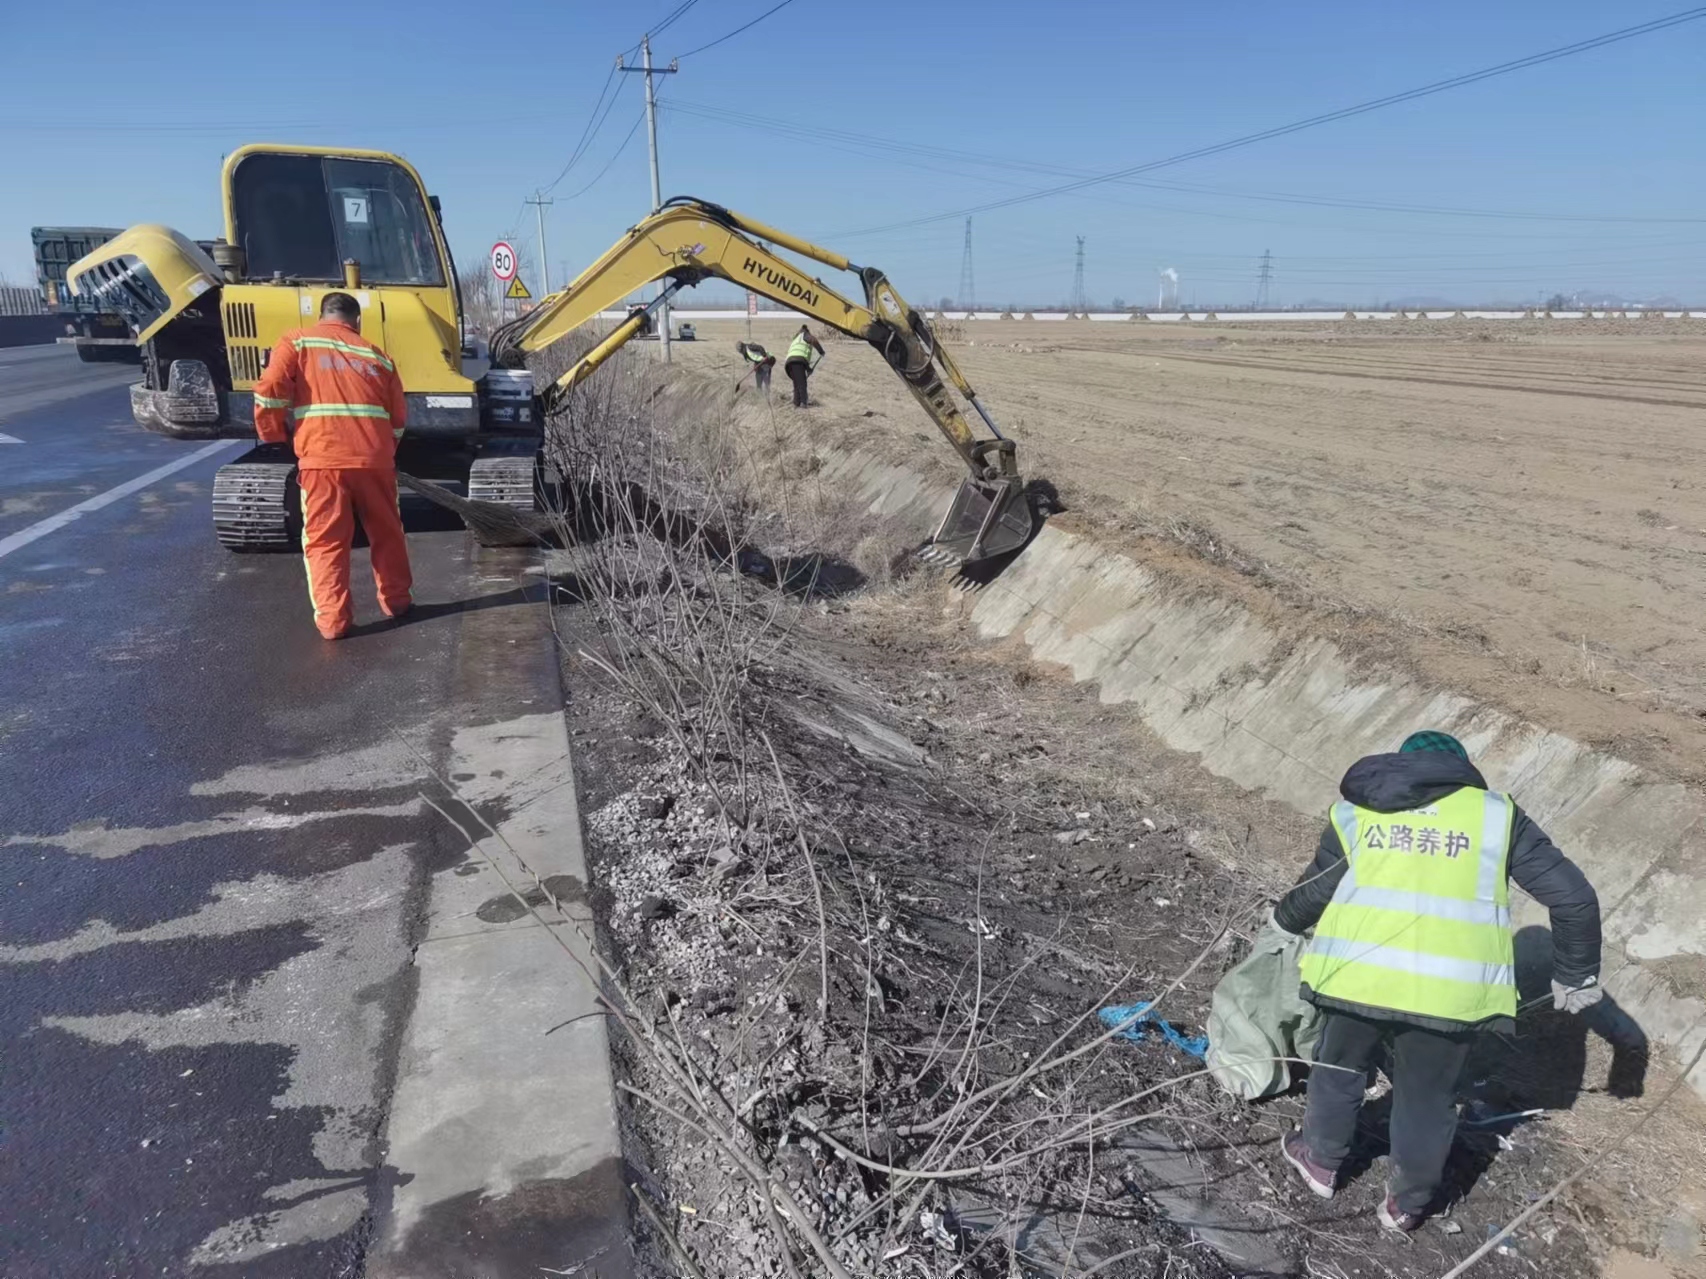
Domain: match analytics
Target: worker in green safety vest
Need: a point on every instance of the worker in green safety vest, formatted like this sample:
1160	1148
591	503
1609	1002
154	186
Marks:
799	362
1409	898
760	363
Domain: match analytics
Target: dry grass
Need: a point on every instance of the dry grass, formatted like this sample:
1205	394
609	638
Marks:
659	517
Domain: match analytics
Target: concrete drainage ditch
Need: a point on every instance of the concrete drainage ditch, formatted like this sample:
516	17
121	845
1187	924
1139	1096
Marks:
1285	717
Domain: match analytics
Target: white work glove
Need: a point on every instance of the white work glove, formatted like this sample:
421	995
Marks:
1273	923
1573	999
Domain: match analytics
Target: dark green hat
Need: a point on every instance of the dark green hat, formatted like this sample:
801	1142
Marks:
1429	740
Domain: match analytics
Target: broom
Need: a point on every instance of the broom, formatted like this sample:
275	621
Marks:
491	523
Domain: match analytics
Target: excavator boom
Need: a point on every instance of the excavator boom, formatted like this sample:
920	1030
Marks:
690	240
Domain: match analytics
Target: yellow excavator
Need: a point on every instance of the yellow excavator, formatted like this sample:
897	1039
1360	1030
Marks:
689	240
300	222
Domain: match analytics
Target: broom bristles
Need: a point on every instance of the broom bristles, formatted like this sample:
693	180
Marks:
491	523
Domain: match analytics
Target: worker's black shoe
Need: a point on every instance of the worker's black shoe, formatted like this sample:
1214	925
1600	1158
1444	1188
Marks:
1395	1218
1318	1178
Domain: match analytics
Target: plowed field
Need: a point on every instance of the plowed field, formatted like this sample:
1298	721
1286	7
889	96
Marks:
1520	503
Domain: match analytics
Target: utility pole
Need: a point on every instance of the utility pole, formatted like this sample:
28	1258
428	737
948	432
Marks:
968	285
1263	277
1078	304
540	203
646	69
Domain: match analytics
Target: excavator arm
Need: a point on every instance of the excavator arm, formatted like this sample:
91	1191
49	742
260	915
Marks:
688	240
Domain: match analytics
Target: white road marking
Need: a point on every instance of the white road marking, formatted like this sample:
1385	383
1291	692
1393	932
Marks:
101	841
9	439
53	523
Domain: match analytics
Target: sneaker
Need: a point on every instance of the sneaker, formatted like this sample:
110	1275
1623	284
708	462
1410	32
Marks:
1318	1179
1394	1218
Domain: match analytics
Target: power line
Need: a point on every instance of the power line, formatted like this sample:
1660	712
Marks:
615	156
1264	275
595	121
1078	302
674	16
930	158
589	130
1310	122
731	35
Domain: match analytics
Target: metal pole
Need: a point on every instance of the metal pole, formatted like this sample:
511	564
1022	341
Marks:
657	186
539	202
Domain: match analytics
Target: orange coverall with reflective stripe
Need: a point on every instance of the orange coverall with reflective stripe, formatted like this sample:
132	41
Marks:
346	402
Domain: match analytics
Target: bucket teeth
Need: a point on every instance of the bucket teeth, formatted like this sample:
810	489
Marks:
931	553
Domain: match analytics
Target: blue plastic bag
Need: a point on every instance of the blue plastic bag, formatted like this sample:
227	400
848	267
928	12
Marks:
1137	1015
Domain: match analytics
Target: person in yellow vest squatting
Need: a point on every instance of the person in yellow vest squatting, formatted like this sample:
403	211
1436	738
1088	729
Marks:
1409	899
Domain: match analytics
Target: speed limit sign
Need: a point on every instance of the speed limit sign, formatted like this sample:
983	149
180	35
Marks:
503	261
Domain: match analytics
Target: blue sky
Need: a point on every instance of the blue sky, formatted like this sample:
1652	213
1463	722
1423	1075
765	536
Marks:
967	103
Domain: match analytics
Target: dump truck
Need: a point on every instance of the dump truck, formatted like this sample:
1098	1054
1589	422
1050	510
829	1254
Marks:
99	336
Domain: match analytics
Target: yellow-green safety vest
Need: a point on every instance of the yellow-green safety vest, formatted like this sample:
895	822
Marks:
800	349
1420	922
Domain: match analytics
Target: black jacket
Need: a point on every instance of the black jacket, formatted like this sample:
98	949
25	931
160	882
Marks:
1395	783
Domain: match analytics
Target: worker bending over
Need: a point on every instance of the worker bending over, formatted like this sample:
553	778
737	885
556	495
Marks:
762	363
345	401
1409	899
799	363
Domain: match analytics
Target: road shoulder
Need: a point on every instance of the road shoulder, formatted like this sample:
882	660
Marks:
502	1147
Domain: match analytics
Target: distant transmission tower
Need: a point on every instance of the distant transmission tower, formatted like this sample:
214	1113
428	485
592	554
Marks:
1078	304
1263	276
968	284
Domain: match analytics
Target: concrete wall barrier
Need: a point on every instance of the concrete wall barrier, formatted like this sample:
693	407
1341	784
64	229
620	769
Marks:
1239	317
30	330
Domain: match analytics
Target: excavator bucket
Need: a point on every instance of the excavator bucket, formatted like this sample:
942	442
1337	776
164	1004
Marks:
988	518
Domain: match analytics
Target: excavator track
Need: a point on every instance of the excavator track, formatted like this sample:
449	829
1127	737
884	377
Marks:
508	479
255	503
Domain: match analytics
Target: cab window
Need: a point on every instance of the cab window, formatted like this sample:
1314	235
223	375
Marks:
300	216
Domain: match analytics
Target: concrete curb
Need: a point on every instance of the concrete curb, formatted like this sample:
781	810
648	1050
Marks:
1286	716
502	1145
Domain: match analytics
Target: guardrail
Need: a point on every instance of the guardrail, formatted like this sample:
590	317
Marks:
20	301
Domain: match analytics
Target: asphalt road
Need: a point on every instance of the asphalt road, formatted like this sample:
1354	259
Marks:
217	859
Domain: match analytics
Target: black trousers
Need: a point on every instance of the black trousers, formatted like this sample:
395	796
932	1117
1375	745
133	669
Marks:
798	372
1425	1069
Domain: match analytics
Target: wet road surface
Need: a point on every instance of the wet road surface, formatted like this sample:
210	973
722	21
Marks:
216	857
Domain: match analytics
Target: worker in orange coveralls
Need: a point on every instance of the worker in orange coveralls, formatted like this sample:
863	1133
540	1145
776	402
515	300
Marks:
346	401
